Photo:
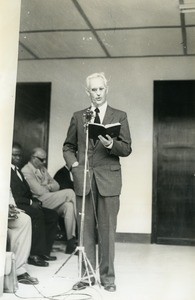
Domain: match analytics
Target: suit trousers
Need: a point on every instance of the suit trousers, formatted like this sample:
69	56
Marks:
19	235
44	228
64	203
100	222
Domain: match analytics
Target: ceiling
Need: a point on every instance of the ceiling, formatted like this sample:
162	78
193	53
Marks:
72	29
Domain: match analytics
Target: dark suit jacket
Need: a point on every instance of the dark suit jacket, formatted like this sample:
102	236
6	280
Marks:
44	221
62	176
20	190
104	163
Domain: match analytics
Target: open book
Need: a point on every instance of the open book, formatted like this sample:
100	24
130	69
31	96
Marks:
96	129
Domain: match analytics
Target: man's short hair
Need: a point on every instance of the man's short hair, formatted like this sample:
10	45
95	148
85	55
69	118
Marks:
16	145
96	75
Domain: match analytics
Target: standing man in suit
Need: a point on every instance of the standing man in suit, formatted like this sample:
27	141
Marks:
103	185
47	190
44	221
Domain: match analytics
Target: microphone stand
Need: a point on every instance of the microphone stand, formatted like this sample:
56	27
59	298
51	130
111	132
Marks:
90	273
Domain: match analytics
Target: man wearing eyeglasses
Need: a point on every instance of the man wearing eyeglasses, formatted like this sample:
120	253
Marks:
47	190
44	221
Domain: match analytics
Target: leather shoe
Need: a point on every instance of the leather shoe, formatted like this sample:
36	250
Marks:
37	261
110	287
81	285
48	257
71	246
27	279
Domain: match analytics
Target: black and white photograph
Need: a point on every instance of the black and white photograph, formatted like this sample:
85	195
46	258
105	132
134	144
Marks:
97	130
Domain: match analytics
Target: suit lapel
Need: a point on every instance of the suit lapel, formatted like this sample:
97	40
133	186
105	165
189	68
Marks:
38	174
108	115
83	122
17	174
21	174
15	178
35	171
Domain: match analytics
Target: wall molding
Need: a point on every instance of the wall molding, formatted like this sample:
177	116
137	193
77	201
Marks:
142	238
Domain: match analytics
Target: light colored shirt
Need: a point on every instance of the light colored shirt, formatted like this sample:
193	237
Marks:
102	112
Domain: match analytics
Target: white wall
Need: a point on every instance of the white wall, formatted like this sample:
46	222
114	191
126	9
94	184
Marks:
130	89
9	33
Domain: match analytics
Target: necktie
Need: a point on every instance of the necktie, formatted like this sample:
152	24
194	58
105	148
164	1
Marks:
18	173
97	117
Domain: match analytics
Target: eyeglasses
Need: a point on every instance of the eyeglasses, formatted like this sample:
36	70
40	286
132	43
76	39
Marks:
41	159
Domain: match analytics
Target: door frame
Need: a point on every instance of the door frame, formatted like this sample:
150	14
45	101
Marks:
154	237
46	86
154	174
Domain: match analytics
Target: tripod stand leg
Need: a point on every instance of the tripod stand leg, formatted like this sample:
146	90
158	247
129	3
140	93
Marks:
86	268
83	260
89	270
66	261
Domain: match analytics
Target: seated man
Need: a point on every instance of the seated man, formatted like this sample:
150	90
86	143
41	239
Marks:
19	236
44	221
46	189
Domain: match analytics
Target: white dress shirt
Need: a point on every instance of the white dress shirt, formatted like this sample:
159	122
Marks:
102	112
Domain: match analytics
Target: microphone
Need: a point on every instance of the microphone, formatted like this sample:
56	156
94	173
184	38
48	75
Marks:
88	115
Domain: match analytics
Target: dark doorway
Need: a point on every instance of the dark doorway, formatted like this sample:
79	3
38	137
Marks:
32	111
174	163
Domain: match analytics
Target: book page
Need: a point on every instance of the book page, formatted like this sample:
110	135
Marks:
112	125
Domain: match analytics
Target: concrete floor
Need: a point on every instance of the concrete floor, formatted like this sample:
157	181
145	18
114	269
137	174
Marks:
143	272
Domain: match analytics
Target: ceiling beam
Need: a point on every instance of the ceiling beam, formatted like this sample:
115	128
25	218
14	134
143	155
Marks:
113	57
183	30
28	50
82	13
187	7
